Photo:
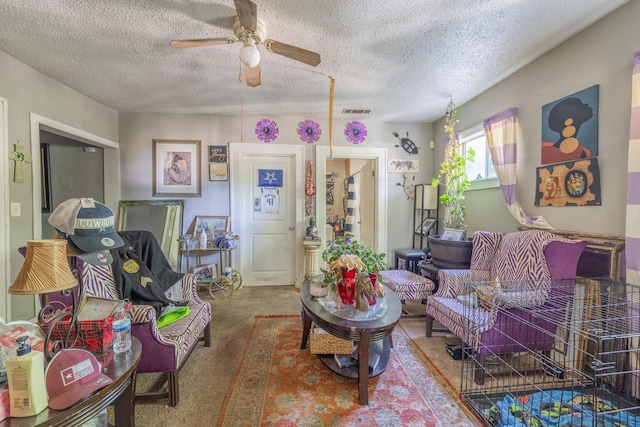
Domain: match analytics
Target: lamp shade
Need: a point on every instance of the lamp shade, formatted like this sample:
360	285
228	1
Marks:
45	269
250	55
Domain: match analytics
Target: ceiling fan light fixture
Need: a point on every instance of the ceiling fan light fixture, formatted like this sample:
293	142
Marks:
249	54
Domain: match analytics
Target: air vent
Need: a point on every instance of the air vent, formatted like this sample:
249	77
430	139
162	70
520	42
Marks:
355	111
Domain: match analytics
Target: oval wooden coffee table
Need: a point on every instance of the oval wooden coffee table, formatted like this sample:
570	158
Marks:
365	332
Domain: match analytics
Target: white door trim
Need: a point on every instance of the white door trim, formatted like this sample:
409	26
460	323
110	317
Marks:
237	205
379	156
5	277
39	122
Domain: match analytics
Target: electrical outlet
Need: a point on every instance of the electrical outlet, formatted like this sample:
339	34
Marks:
15	209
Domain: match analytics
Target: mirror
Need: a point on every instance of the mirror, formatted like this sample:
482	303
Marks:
161	217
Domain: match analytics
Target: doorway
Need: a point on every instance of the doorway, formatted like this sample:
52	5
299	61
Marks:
267	208
378	157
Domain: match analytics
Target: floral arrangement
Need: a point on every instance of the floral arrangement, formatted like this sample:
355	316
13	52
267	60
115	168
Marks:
309	131
355	132
346	246
267	130
348	262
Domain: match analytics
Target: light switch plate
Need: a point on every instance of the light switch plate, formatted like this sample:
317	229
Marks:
15	209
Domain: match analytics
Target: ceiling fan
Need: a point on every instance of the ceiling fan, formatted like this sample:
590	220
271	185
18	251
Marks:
251	31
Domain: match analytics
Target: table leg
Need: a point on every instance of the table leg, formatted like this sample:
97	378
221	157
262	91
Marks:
306	328
125	405
363	368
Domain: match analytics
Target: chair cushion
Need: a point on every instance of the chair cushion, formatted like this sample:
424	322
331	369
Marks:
520	256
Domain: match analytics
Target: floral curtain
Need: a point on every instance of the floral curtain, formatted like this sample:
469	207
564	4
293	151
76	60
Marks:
502	137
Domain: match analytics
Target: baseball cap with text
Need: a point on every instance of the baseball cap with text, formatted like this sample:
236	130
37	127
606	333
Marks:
89	227
72	375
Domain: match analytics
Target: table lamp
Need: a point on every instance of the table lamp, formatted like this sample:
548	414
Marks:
45	270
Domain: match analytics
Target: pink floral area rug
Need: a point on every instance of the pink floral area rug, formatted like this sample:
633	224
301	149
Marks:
278	384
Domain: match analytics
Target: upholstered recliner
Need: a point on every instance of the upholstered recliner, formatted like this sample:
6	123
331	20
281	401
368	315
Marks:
529	265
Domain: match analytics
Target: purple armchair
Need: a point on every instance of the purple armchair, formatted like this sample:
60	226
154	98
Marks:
166	349
529	266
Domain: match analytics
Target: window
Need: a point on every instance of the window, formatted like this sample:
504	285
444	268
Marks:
480	170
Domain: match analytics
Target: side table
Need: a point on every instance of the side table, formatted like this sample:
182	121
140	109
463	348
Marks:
121	393
429	271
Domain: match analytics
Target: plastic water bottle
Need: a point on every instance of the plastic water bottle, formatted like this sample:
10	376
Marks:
121	329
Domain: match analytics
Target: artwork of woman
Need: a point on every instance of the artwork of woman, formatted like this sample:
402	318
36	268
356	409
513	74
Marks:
565	118
178	172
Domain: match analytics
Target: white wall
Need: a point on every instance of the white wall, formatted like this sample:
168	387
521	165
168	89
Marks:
138	130
29	91
600	55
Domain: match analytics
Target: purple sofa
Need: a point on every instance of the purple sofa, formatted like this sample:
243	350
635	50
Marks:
529	266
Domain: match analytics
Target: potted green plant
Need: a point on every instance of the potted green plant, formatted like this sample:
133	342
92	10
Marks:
347	245
453	177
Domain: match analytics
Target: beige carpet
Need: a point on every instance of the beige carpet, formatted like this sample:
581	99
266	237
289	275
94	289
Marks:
208	374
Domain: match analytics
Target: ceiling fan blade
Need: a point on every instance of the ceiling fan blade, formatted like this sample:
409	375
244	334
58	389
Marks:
253	75
247	14
293	52
202	42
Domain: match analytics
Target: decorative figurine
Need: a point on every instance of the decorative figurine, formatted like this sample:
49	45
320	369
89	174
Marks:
312	230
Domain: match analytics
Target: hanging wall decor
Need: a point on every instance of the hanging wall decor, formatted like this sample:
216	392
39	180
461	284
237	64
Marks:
309	131
401	166
267	130
569	184
19	157
407	145
331	183
217	153
310	190
356	132
570	127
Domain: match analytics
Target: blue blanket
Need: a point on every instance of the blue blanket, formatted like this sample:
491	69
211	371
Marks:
558	408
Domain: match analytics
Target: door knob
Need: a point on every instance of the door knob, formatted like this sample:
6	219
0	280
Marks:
291	227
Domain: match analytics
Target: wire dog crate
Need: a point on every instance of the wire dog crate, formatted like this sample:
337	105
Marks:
573	360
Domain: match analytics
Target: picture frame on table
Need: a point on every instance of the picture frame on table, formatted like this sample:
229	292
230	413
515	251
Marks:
176	168
215	226
426	226
205	273
452	234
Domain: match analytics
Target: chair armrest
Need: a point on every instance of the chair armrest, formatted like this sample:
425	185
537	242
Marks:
451	283
189	289
142	314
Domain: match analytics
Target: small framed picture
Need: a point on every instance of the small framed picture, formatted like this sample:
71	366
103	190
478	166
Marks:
217	154
214	225
218	171
426	226
205	273
452	234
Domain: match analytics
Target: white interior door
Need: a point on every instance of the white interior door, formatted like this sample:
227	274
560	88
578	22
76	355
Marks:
266	212
367	205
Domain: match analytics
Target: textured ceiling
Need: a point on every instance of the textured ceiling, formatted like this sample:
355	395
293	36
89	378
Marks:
401	59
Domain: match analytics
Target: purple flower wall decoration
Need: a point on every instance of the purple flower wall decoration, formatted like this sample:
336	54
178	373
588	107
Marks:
267	130
355	132
309	131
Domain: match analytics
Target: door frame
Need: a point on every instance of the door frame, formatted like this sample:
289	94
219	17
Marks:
5	277
236	204
111	192
379	156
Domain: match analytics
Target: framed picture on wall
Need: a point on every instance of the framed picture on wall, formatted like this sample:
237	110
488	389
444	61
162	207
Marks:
218	172
176	168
